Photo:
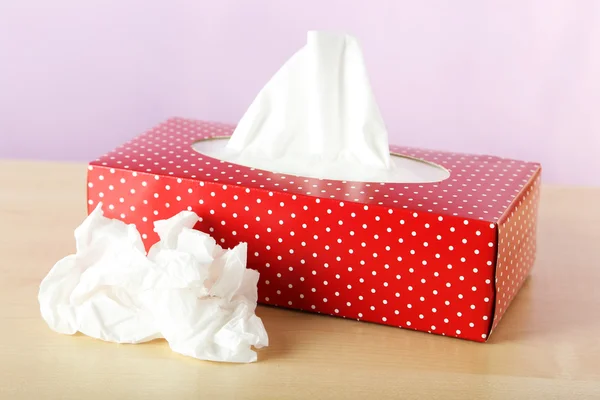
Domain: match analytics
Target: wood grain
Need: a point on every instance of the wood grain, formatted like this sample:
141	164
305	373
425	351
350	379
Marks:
547	346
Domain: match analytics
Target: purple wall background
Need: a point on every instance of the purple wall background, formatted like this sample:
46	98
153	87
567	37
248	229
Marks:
518	78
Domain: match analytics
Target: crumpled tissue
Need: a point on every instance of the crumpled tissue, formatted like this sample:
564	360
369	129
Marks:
188	290
317	117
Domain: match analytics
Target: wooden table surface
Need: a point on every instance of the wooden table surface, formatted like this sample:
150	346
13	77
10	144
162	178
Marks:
546	347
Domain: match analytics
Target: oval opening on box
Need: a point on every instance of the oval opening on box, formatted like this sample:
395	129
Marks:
404	169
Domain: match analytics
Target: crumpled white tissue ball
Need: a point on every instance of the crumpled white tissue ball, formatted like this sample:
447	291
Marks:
187	290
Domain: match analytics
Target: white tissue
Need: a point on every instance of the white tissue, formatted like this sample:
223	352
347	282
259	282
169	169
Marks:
317	117
188	290
318	105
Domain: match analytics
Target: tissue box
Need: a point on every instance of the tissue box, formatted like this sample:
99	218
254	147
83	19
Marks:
445	258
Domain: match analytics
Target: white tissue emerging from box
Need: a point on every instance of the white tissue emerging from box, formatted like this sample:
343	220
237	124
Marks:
319	106
188	290
318	117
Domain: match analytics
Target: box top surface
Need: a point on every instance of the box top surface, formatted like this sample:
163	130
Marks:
479	187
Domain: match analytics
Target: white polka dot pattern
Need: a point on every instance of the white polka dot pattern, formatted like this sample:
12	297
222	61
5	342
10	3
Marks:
516	248
418	256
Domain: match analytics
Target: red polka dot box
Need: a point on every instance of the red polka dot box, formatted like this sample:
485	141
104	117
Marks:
444	257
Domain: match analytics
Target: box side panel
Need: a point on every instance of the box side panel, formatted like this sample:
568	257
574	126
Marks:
516	247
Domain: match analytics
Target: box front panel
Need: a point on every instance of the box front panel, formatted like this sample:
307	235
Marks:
389	266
